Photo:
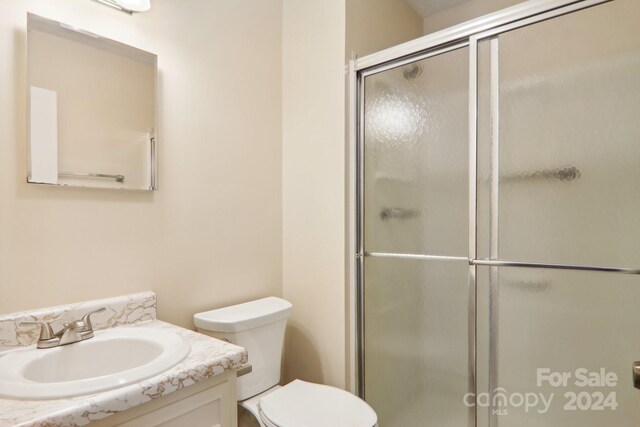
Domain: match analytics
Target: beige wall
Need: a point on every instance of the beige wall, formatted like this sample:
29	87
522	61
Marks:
314	239
373	25
313	189
466	11
252	198
212	235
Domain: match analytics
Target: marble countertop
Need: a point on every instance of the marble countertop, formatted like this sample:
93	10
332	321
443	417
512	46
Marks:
208	357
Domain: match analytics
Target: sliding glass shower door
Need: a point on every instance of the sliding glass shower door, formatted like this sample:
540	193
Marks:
558	219
416	204
499	232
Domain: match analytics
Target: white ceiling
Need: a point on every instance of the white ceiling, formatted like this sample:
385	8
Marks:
429	7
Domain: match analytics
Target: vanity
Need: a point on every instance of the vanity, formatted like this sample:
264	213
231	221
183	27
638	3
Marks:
135	371
92	123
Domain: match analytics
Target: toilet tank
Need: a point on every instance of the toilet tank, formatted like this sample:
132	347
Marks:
257	326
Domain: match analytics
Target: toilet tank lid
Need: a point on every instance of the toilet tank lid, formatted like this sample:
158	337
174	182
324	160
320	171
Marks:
244	316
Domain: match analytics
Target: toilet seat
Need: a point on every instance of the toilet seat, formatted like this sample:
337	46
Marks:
303	404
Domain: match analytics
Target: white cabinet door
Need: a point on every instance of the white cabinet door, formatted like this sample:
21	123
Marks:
211	403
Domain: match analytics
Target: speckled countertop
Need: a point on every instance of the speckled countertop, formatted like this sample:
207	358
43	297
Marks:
208	357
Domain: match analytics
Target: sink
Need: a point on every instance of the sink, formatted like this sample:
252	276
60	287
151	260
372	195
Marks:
113	358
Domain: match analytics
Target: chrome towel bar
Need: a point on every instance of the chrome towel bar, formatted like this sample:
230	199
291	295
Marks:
118	178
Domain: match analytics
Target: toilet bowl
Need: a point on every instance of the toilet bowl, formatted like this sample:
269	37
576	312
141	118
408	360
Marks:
259	327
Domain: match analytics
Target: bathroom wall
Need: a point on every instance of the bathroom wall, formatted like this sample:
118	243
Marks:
373	25
314	49
212	235
313	189
225	145
465	11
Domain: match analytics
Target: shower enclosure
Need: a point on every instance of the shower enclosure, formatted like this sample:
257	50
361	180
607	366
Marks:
497	243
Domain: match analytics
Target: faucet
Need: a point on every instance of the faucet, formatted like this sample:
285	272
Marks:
71	332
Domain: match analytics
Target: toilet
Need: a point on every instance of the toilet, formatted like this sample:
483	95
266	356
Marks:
259	327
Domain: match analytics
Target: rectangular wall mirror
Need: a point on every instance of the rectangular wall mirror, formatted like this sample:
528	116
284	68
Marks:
91	109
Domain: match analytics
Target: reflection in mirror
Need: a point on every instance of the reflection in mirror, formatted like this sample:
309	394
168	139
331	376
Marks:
92	113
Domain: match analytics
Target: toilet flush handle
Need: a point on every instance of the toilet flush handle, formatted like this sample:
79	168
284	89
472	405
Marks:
636	375
244	370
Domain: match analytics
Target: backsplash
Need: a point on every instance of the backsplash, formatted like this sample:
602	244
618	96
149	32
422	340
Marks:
122	310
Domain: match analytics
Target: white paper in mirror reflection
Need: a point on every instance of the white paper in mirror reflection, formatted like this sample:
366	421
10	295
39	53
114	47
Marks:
43	131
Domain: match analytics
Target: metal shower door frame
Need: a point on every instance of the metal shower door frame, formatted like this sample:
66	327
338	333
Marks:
468	34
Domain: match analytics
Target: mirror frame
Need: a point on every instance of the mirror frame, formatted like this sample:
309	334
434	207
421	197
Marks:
79	34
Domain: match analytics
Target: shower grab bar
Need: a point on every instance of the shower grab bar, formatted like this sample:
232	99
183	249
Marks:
117	178
400	213
562	174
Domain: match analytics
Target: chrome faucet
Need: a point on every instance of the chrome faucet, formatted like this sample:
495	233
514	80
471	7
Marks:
77	330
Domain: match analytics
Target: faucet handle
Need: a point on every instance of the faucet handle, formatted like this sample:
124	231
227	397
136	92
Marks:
46	331
86	320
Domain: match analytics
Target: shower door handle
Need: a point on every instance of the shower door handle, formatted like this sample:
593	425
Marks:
636	375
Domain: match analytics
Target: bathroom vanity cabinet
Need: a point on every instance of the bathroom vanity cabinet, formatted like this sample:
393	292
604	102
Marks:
210	403
198	390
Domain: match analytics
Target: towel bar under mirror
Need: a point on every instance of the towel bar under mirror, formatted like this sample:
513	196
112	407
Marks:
91	109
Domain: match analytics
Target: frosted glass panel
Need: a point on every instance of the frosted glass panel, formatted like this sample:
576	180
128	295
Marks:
568	139
564	321
416	341
416	162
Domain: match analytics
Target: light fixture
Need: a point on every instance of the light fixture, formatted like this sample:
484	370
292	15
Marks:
127	6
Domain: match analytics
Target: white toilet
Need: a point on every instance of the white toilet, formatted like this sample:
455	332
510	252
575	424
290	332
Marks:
259	327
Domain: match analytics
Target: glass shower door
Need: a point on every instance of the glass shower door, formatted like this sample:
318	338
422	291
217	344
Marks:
559	220
558	127
567	343
535	312
415	285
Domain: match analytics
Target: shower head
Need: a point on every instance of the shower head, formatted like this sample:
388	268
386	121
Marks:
412	71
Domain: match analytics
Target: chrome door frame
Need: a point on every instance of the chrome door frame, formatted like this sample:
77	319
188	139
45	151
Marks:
467	34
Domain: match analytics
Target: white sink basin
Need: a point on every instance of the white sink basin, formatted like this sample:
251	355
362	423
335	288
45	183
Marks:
113	358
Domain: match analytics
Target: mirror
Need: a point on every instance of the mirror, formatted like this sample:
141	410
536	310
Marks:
91	109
